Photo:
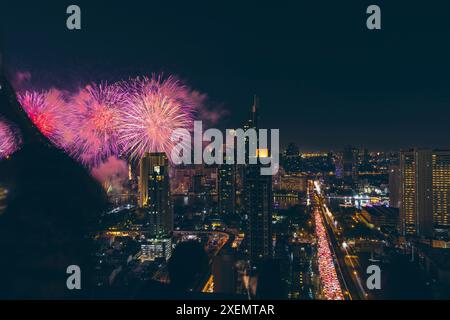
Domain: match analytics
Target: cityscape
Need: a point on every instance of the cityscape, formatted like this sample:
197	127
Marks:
88	184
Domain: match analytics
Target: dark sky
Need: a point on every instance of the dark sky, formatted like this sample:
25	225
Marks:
323	79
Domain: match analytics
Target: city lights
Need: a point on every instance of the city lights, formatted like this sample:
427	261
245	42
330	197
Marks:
154	150
328	276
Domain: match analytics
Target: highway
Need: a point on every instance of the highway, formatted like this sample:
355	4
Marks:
349	271
331	286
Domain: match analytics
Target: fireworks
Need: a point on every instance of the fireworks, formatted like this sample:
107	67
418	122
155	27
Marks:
154	108
129	118
9	139
95	117
46	111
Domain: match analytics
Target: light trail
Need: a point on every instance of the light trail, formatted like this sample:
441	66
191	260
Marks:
327	271
354	268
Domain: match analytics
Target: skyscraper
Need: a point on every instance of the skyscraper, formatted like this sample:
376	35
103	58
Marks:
440	163
416	209
408	210
339	166
394	186
425	192
144	171
226	181
257	201
291	159
349	162
154	192
253	119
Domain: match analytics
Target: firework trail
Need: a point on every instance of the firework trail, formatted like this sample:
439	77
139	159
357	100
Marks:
154	108
9	139
47	111
94	119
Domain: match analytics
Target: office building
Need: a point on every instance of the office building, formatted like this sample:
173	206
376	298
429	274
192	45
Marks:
258	201
350	163
226	181
440	163
425	192
394	186
154	193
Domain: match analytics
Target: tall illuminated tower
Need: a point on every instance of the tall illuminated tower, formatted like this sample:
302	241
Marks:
349	162
257	200
394	186
416	217
154	193
226	180
440	163
144	170
425	192
408	208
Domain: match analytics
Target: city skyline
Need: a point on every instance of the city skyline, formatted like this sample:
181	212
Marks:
312	216
220	151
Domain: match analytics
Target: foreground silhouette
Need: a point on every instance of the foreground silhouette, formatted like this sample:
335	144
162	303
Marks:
52	203
186	266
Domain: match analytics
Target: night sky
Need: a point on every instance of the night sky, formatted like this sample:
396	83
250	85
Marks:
323	78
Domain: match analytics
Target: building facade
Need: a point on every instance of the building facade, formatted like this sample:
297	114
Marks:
226	191
154	192
425	192
394	186
257	201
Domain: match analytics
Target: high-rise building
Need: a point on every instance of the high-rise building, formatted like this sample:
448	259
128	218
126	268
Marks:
408	209
365	158
154	193
394	186
350	163
226	181
291	159
253	119
144	171
257	201
440	162
416	205
425	191
364	161
339	166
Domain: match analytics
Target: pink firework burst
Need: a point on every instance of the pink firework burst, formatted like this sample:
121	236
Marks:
9	139
155	107
46	110
96	112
